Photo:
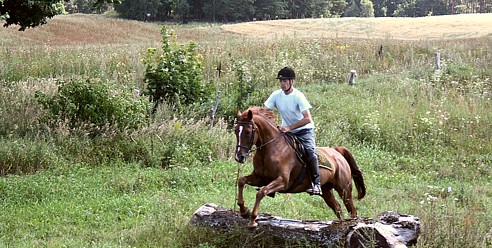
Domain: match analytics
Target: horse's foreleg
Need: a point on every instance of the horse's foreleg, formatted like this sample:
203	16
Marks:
250	179
275	186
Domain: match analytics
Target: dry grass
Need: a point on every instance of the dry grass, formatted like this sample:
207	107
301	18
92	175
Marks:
81	29
429	28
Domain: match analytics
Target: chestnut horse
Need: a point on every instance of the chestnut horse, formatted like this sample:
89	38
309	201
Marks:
276	166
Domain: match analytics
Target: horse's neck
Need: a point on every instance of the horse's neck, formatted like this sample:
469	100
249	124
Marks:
266	130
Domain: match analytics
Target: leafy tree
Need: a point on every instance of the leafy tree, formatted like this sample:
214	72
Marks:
164	11
142	10
84	6
182	10
380	9
367	9
429	7
298	8
352	9
337	7
196	9
243	10
32	13
405	9
319	8
386	8
229	10
269	9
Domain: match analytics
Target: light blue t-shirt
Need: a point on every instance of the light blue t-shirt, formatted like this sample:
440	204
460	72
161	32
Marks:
290	107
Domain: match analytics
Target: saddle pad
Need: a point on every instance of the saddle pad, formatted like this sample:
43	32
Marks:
323	160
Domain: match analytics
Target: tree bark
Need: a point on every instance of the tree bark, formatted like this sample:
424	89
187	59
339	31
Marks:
388	230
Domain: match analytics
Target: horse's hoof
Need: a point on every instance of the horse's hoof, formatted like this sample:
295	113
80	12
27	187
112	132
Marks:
252	226
247	214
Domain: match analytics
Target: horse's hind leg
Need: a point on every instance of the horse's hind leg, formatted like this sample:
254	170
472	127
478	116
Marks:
331	201
346	195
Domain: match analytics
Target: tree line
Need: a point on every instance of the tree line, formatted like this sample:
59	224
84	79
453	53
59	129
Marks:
248	10
32	13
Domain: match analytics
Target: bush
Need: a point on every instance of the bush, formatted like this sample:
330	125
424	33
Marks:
175	74
94	104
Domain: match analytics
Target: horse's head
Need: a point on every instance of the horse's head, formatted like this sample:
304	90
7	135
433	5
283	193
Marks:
245	135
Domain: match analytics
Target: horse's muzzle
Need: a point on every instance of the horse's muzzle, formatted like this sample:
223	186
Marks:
241	154
240	158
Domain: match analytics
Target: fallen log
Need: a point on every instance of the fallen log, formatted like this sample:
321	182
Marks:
389	229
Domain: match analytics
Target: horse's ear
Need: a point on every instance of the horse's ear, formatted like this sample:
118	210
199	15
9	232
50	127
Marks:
238	113
250	115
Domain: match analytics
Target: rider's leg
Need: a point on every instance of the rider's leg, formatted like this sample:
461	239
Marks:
306	136
312	163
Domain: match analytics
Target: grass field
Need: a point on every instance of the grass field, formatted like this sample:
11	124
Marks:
421	136
423	28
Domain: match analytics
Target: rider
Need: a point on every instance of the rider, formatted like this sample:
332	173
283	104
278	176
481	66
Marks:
296	119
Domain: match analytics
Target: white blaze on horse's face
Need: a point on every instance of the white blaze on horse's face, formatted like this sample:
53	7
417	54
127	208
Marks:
245	140
239	142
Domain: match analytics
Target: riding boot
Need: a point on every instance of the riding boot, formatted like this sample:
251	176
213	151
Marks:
315	189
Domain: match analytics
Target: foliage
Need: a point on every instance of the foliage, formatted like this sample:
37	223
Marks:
30	14
367	8
182	10
141	10
236	11
94	104
269	9
174	74
86	6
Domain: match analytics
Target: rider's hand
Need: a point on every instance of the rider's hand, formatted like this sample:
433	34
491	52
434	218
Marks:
284	129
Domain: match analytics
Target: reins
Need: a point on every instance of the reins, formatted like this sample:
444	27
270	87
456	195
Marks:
266	143
251	149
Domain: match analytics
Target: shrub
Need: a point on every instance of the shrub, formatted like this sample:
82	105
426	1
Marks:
175	74
94	104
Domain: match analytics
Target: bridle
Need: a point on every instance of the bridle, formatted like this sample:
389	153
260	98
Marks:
250	149
251	141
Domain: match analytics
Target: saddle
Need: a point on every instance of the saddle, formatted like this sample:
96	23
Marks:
323	161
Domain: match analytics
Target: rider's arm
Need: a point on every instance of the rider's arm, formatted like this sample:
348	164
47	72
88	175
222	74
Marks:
304	121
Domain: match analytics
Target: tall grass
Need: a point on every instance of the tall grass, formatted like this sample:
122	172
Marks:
422	138
120	63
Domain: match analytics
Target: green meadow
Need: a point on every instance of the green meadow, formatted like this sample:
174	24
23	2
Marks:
421	136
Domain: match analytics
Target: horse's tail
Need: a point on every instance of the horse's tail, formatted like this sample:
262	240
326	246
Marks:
356	173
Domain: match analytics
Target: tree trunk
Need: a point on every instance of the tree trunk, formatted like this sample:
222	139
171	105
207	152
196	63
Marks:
388	230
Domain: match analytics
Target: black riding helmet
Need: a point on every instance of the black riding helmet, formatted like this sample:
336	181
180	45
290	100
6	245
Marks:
286	73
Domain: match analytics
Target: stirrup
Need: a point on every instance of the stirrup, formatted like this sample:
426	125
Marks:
315	190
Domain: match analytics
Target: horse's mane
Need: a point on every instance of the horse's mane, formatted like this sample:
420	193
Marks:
262	111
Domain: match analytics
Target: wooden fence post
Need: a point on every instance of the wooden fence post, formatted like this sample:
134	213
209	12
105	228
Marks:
219	94
438	61
353	75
